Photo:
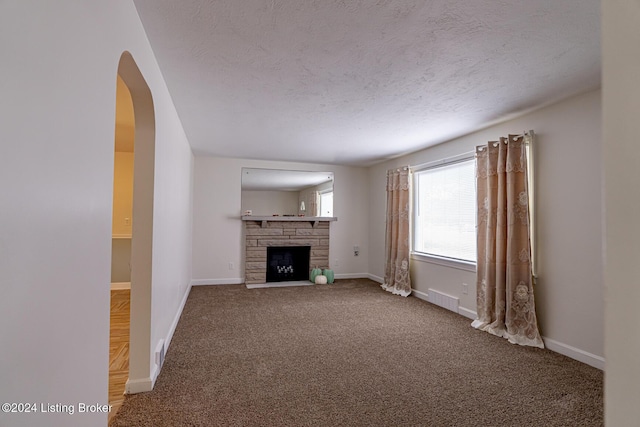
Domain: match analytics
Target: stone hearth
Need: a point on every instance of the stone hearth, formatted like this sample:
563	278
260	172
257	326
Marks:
259	235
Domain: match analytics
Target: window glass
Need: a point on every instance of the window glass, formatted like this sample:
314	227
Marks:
326	204
445	211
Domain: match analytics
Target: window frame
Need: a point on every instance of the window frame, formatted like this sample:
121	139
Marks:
530	152
432	258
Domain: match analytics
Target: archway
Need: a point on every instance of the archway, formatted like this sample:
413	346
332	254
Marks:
140	355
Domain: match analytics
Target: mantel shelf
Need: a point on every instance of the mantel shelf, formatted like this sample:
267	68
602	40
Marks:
314	220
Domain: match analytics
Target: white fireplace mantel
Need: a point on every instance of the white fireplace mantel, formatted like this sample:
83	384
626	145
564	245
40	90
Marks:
314	220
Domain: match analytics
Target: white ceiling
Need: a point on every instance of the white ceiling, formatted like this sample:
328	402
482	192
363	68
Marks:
358	81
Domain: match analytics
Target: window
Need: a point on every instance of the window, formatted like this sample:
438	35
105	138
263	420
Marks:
326	203
445	211
530	153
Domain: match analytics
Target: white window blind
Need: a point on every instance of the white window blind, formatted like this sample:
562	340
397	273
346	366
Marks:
445	211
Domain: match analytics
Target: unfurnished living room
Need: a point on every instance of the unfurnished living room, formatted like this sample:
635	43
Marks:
319	213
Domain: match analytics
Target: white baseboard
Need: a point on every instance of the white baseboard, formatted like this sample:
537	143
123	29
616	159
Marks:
172	329
419	294
376	278
176	319
290	284
470	314
553	345
227	281
461	310
138	386
351	276
574	353
147	384
240	280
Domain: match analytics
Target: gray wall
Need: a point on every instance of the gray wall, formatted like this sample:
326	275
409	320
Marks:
621	160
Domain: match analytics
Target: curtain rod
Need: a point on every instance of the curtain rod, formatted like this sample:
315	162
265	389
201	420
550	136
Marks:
530	133
459	157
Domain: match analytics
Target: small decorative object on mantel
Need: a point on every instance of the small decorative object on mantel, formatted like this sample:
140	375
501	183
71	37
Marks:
248	212
328	274
321	280
315	272
302	208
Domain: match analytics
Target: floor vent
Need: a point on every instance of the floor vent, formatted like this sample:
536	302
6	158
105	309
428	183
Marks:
443	300
160	354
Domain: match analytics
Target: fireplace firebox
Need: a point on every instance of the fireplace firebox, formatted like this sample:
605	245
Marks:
287	263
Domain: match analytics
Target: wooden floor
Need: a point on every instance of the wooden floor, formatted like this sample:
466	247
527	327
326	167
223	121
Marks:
118	347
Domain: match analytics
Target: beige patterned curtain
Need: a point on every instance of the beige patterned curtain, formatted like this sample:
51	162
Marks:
313	203
310	199
396	275
504	279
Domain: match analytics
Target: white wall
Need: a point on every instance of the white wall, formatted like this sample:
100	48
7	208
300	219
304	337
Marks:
121	260
173	219
122	193
56	172
217	229
621	160
122	210
569	297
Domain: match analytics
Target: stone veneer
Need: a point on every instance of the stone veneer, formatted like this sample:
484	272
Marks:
282	233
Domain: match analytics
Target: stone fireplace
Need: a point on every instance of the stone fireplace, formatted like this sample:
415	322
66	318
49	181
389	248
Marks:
262	233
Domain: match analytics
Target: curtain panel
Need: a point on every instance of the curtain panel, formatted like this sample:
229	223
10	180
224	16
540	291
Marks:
396	276
314	203
310	199
505	297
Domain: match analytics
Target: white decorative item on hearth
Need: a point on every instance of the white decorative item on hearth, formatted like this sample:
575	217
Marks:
321	280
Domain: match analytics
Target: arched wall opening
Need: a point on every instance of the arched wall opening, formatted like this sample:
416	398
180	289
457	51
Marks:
140	355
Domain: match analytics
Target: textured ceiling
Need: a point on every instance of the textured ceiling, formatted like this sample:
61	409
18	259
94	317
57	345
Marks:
358	81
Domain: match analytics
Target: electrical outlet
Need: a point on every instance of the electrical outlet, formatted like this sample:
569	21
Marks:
465	289
356	250
230	266
336	263
127	221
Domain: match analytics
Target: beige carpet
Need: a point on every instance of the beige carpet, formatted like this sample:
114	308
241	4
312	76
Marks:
350	354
